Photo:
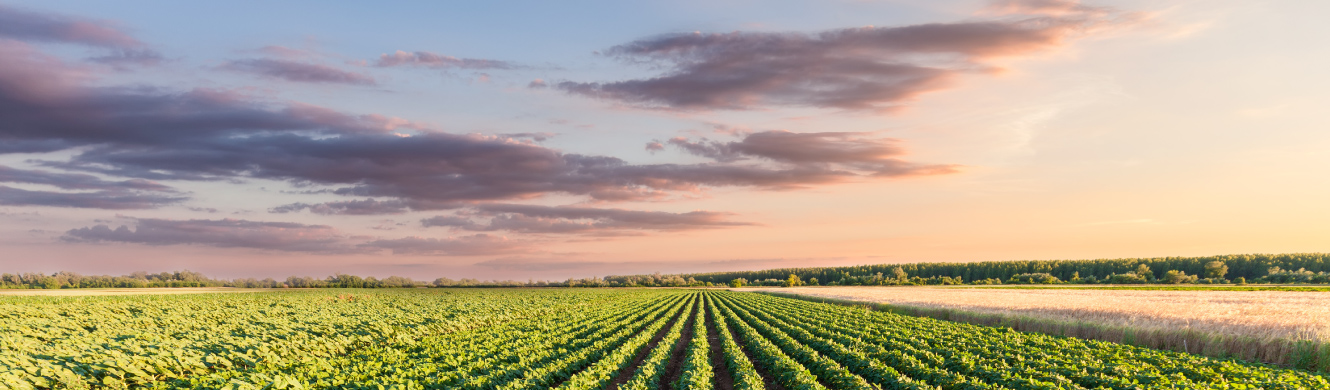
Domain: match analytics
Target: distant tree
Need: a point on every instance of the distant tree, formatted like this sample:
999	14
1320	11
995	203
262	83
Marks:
1216	269
813	282
1144	272
736	283
793	281
1178	277
899	274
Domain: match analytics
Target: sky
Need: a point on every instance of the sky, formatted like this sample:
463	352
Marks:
547	140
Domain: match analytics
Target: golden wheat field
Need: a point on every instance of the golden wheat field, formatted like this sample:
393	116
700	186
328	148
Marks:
1256	325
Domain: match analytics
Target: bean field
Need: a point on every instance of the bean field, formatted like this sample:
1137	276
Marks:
559	339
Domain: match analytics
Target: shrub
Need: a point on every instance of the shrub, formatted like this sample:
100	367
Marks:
1178	277
1034	278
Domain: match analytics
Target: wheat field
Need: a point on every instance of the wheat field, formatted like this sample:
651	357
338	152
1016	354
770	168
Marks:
1278	327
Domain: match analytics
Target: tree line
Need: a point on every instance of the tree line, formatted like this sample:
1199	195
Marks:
1310	268
64	279
1249	268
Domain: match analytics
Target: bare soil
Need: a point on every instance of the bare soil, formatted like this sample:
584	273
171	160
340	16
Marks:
674	369
721	373
626	374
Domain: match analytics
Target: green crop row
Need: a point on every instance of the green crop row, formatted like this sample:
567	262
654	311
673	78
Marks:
591	339
939	354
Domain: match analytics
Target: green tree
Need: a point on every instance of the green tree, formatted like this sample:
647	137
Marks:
1178	277
1144	272
813	282
50	283
1216	269
900	274
736	283
793	281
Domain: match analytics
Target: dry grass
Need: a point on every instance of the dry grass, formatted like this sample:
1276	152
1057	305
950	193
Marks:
127	291
1281	327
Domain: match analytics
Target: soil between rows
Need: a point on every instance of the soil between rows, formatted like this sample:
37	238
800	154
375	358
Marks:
721	373
768	381
626	374
675	368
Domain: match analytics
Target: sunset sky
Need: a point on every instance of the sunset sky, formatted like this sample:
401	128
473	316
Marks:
546	140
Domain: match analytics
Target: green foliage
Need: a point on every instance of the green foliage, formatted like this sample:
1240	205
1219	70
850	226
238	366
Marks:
1215	269
560	339
1035	278
1251	267
1302	275
793	281
1178	277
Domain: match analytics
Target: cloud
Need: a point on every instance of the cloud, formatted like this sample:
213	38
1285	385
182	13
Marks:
473	245
199	134
39	27
363	207
110	200
438	61
1042	7
835	150
112	195
223	233
298	71
866	68
120	58
580	220
46	27
76	181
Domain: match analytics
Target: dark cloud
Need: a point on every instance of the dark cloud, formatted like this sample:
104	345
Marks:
856	68
121	58
831	150
537	137
45	27
473	245
223	233
364	207
580	220
298	71
438	61
76	181
112	195
110	200
209	135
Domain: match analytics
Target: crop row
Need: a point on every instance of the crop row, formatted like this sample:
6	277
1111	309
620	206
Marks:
562	339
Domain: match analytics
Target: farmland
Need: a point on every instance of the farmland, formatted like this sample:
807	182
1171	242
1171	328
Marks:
559	338
1290	327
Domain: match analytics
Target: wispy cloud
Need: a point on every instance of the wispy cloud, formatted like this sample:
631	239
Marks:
426	59
222	233
870	68
298	71
579	220
106	194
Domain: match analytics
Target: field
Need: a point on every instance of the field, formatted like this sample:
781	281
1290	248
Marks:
1283	327
562	339
1162	288
77	292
